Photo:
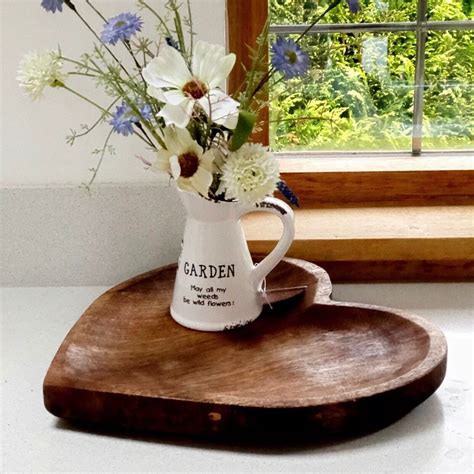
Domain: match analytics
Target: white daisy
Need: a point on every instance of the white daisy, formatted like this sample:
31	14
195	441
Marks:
185	161
249	174
171	81
39	70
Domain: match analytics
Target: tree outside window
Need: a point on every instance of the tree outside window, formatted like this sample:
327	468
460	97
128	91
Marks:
396	76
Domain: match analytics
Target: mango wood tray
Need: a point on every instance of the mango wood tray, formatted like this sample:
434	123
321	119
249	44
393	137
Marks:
308	366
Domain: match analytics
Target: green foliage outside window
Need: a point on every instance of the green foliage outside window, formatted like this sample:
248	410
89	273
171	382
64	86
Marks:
358	94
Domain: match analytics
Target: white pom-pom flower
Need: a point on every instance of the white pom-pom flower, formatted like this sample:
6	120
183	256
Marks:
39	70
249	174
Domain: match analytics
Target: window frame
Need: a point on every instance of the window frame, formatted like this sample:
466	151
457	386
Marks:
421	27
245	19
411	190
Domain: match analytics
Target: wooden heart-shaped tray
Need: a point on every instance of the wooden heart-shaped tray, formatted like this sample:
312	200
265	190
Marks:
307	366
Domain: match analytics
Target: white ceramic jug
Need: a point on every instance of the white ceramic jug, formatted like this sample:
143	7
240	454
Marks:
217	285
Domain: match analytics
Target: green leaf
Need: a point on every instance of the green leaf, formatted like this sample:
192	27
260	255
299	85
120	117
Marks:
243	129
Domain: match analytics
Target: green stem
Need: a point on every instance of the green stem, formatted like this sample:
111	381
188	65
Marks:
258	60
105	111
144	49
99	163
191	30
330	7
162	22
78	63
102	155
99	120
147	138
272	71
144	139
97	50
115	83
75	73
179	28
96	10
278	81
129	49
73	8
125	42
143	123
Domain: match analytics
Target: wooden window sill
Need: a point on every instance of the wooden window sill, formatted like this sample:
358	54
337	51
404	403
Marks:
387	179
366	216
415	243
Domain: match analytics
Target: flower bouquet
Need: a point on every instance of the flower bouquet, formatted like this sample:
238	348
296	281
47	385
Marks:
171	96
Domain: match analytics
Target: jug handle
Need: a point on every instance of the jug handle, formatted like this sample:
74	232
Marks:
285	213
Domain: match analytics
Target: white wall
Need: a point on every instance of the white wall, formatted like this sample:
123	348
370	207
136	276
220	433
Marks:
33	147
65	236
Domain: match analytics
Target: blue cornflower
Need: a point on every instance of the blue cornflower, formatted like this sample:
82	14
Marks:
121	27
288	193
288	58
124	118
354	5
145	111
52	5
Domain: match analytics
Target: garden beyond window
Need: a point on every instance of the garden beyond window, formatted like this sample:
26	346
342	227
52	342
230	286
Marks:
397	75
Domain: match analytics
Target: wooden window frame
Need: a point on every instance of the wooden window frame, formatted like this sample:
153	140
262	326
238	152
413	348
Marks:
429	199
383	178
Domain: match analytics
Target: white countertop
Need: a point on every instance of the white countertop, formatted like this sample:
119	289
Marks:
436	437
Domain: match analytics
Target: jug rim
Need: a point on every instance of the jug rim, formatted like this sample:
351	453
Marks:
206	198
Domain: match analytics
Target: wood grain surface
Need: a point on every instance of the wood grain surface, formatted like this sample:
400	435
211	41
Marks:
379	181
306	367
245	21
425	243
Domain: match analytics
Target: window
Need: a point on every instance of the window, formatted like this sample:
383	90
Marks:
370	209
397	76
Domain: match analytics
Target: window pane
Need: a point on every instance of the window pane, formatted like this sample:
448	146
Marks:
358	95
306	11
450	10
449	92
